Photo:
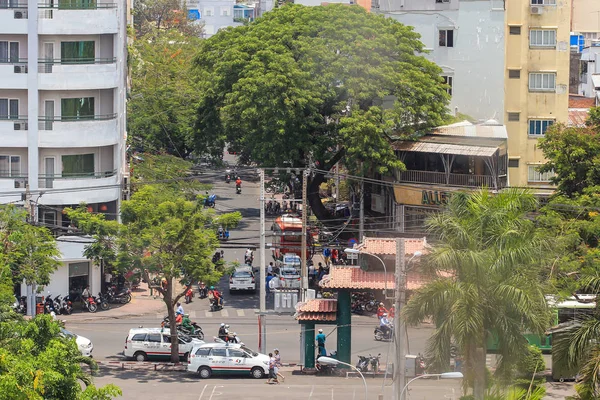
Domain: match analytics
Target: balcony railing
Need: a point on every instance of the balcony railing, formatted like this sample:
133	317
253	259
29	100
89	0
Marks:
47	123
45	65
441	178
7	4
76	5
46	181
19	121
20	180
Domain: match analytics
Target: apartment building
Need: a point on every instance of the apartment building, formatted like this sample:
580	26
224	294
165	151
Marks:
465	39
537	78
219	14
62	105
585	19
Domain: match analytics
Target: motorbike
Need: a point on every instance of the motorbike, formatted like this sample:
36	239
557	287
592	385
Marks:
215	306
102	301
227	178
248	260
238	190
224	234
49	304
66	306
327	369
210	201
20	305
122	297
198	334
374	361
381	335
203	292
90	304
57	305
363	363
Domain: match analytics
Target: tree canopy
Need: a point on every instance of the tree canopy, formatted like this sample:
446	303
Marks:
309	86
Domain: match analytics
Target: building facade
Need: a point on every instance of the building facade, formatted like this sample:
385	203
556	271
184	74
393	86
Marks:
585	19
62	106
220	14
537	59
466	39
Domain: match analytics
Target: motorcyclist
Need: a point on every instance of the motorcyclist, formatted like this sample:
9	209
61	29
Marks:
227	337
238	183
187	324
385	325
217	296
223	332
248	256
381	310
202	290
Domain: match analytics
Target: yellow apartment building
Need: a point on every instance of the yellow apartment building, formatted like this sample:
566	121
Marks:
536	82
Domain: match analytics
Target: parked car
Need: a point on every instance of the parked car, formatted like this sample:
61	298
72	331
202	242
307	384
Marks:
289	278
84	344
142	344
227	358
242	279
291	260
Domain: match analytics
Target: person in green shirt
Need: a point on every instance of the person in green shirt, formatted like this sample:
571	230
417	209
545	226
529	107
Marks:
187	324
321	343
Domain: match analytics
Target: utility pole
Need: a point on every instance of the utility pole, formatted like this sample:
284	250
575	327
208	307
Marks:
30	218
399	327
303	268
361	216
263	290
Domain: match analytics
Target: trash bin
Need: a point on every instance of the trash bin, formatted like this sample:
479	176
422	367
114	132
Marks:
39	308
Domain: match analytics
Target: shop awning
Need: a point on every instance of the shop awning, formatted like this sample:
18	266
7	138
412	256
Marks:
444	148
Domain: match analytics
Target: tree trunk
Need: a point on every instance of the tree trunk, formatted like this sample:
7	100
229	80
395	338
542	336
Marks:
479	374
172	323
313	198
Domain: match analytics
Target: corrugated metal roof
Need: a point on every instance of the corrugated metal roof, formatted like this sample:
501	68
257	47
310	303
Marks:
443	148
577	118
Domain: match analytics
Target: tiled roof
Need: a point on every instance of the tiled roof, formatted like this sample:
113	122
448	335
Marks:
318	305
382	246
356	278
315	316
577	118
576	101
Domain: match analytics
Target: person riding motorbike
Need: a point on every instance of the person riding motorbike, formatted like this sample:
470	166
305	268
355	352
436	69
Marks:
248	257
385	325
238	182
217	296
187	324
381	310
223	332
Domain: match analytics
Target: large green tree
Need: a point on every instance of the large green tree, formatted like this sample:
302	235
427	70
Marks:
310	86
164	92
493	258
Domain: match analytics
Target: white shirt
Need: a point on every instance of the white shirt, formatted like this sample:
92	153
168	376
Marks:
107	278
248	253
86	293
270	269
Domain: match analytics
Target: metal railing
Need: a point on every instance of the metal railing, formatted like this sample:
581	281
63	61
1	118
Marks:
46	181
45	66
13	5
75	5
13	61
47	123
442	178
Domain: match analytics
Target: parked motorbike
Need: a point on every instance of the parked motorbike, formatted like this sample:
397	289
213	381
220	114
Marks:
102	301
363	363
374	362
66	306
49	304
381	335
20	305
326	369
57	305
122	297
90	304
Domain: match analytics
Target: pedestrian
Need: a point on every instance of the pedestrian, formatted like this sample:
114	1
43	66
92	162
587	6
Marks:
320	272
278	365
269	278
334	256
321	338
272	364
311	274
270	268
327	255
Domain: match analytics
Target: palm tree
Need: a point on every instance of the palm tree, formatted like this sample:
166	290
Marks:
577	347
492	256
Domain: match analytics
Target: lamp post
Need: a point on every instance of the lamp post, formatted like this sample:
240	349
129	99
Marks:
332	361
445	375
357	251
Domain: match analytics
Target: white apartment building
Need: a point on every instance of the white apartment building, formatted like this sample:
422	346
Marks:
63	83
466	39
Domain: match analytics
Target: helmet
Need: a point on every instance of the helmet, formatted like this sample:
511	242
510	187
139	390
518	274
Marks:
212	287
381	304
226	326
385	314
222	324
320	330
187	315
275	349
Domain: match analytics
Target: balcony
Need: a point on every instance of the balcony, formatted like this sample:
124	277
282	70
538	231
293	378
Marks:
13	131
96	187
77	17
13	17
74	74
13	74
88	131
441	178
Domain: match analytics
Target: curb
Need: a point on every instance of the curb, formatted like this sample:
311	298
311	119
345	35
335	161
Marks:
154	366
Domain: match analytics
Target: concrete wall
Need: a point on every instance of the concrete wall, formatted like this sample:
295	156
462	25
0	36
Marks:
475	62
585	16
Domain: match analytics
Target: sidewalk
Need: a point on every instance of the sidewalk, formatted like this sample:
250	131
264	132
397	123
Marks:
141	304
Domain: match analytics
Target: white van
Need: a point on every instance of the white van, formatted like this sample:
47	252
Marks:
142	344
227	358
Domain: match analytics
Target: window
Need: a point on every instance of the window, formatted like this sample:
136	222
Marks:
153	338
77	109
446	38
79	269
77	52
514	73
542	38
225	11
514	116
538	127
10	166
203	351
513	163
535	176
236	353
448	80
78	165
9	108
543	2
138	337
77	4
218	352
9	52
542	81
514	30
209	11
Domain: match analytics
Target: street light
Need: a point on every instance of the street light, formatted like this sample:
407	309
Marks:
332	361
357	251
445	375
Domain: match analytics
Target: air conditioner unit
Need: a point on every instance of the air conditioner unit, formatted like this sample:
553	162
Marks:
20	69
20	183
20	126
537	10
20	14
